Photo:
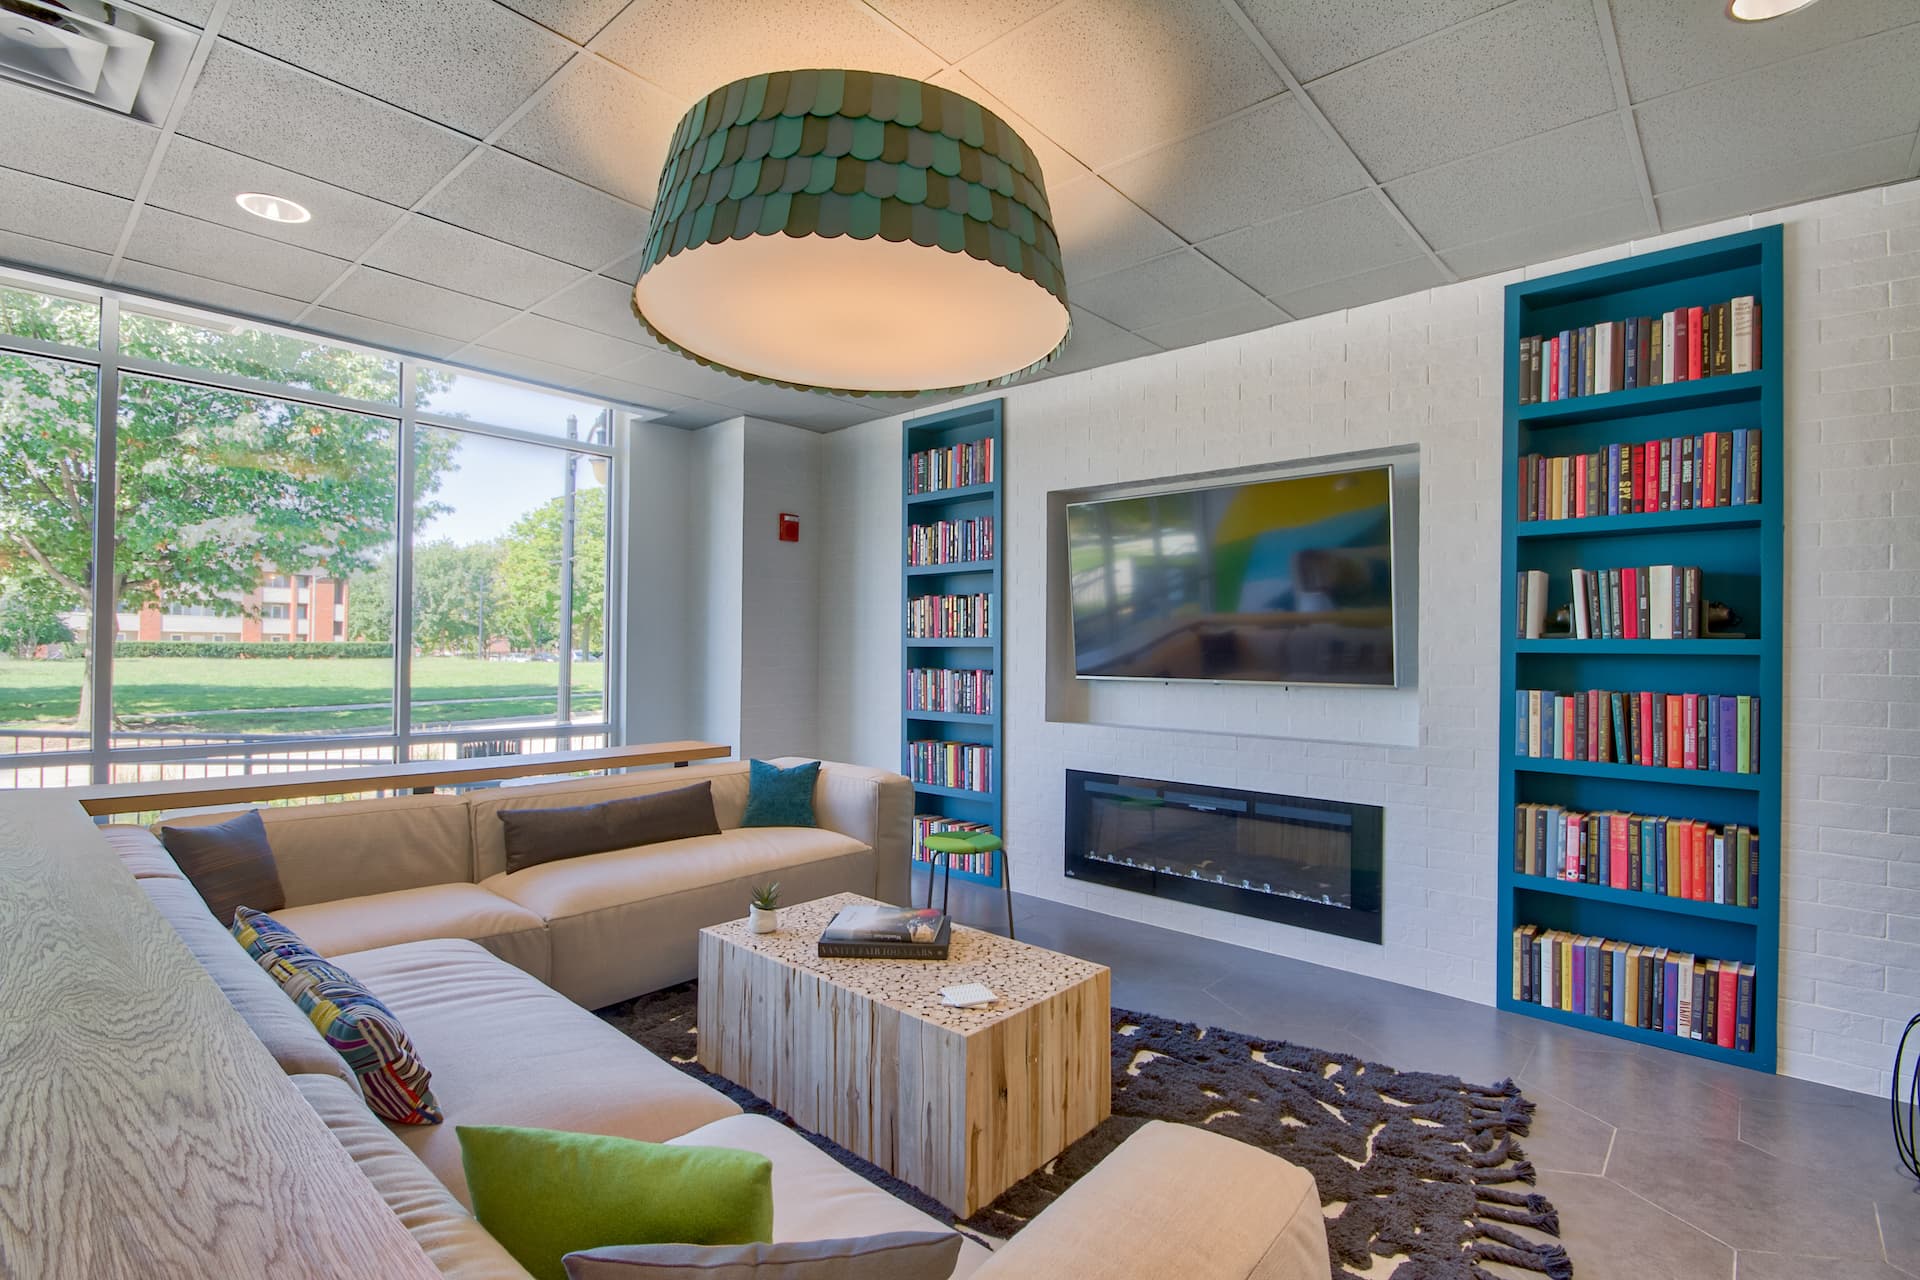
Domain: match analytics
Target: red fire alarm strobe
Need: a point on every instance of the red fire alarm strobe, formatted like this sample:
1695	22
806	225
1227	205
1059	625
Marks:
789	527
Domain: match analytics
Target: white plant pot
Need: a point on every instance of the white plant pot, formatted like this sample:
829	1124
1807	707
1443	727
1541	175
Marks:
764	920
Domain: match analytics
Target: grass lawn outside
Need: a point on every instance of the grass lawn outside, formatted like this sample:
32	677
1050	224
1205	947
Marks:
291	695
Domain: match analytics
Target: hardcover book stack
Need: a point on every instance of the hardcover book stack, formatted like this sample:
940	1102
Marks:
1641	602
1673	857
879	932
968	692
926	824
1680	473
1654	988
950	617
967	766
1682	345
1720	732
950	541
954	467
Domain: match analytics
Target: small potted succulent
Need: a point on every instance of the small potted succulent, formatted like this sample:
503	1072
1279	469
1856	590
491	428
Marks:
764	913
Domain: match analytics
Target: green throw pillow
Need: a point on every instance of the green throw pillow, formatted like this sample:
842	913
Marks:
779	797
543	1194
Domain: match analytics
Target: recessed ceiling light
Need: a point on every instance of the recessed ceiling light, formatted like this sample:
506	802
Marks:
272	208
1761	10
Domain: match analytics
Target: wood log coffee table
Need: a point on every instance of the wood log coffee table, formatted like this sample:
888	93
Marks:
960	1103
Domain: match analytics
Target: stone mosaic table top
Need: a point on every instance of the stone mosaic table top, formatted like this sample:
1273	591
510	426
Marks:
1020	974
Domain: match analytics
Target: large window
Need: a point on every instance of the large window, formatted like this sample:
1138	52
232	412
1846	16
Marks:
243	494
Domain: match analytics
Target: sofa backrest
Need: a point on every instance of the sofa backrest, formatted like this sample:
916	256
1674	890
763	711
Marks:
488	834
355	847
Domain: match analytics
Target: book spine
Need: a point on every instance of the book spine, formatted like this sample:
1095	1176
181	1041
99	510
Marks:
1696	338
881	950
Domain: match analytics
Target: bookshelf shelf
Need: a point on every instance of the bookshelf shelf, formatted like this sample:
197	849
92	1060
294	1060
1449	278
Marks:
975	424
1739	548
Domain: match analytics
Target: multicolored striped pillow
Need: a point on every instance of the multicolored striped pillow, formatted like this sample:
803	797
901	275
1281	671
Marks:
352	1019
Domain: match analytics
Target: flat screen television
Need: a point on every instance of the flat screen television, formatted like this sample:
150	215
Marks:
1285	581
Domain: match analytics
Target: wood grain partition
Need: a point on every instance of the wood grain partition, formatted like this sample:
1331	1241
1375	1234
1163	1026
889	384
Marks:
144	1130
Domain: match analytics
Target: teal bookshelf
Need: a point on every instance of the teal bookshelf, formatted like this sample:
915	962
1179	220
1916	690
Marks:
969	425
1739	550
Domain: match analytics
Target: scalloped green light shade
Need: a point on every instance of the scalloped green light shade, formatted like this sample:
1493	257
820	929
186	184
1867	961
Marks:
853	232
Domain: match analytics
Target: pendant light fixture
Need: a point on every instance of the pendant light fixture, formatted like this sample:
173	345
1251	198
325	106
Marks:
853	232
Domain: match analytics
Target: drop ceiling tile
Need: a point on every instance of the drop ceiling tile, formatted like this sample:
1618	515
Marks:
692	47
1101	231
603	125
1339	238
380	295
379	333
1164	289
1850	169
627	270
195	11
1549	177
70	141
697	414
820	413
577	20
258	107
61	212
162	238
1544	241
1252	168
517	201
955	30
1822	102
1095	342
1534	65
217	295
512	364
675	372
638	394
1666	46
1391	281
464	63
468	262
1057	167
600	304
202	180
46	255
1314	37
1243	317
562	344
1106	80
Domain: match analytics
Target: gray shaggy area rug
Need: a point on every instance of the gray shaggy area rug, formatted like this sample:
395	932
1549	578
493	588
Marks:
1411	1165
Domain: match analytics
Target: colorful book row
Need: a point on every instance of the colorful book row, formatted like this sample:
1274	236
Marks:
967	617
1671	857
967	766
967	692
973	864
1682	345
950	541
1643	602
954	467
1718	732
1653	988
1681	473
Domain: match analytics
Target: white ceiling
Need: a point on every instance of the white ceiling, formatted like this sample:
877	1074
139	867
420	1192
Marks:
479	172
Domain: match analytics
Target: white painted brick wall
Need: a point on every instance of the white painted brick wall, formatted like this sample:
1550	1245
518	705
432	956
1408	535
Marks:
1426	369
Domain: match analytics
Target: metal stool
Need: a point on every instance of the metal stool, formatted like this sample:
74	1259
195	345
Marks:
943	845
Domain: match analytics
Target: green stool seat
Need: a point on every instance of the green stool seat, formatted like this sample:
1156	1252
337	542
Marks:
945	844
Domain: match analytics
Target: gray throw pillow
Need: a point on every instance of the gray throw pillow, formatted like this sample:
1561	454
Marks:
534	836
897	1255
230	863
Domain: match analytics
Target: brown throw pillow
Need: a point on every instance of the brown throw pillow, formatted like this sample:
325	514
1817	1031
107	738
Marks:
230	863
535	836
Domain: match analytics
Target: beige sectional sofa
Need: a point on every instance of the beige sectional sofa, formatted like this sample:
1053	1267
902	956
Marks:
493	1007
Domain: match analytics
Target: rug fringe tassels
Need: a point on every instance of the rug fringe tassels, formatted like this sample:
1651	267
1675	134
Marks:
1497	1244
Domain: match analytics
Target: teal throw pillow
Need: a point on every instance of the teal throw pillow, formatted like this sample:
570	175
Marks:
779	797
544	1194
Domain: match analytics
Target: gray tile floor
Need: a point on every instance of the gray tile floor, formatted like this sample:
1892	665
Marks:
1663	1167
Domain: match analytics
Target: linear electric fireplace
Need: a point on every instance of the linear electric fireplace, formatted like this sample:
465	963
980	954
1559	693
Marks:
1312	863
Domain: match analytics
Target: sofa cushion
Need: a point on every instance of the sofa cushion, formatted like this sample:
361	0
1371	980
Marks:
507	1050
230	863
815	1197
729	779
362	1030
351	848
439	1224
778	797
505	928
140	852
534	836
899	1255
544	1194
287	1033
